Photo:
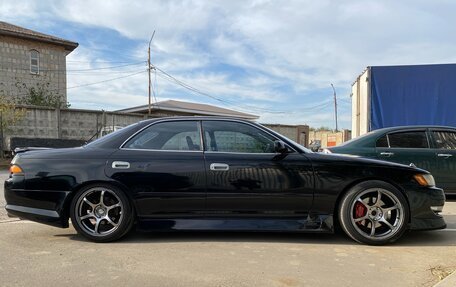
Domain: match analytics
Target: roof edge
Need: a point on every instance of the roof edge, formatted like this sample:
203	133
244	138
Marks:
68	45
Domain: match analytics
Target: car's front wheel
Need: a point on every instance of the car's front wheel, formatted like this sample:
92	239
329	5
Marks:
101	213
374	212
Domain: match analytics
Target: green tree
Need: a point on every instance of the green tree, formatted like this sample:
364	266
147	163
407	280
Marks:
10	114
322	128
40	95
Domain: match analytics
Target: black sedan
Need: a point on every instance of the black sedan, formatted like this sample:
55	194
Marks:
206	173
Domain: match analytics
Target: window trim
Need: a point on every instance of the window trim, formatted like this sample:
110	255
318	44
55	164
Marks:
201	135
38	62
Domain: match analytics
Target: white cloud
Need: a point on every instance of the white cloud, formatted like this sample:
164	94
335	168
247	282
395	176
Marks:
302	45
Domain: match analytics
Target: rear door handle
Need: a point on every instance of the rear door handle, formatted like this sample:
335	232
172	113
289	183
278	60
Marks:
387	154
219	166
445	155
120	165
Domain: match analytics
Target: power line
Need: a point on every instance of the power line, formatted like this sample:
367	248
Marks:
197	91
88	84
99	61
101	72
77	70
310	109
108	80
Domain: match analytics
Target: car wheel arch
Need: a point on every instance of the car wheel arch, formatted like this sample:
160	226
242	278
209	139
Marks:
344	191
69	198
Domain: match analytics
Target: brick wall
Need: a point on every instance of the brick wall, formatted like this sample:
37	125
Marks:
15	66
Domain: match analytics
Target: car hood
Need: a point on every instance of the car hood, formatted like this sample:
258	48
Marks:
354	159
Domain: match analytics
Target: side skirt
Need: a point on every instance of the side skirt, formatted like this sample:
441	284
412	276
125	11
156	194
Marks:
322	223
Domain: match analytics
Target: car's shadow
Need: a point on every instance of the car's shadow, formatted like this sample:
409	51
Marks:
414	238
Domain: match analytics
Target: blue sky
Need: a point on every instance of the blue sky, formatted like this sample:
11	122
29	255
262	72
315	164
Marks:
276	59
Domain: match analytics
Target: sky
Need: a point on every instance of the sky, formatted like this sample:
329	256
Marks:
276	59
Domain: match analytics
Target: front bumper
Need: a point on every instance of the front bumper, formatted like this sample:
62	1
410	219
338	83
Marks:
42	206
422	216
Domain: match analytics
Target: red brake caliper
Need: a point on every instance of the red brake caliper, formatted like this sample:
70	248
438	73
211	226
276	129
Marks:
360	211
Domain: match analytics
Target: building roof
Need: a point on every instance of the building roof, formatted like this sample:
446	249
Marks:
11	30
191	108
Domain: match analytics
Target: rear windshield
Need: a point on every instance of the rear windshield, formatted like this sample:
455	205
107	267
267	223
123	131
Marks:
117	136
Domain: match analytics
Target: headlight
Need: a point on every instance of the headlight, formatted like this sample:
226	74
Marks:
326	151
424	179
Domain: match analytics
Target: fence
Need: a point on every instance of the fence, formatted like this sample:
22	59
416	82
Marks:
67	124
76	125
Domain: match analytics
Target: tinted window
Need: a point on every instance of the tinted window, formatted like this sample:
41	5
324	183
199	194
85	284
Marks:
408	140
236	137
182	135
382	142
445	140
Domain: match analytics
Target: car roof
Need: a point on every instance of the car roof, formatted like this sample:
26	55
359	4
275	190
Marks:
369	138
411	127
194	118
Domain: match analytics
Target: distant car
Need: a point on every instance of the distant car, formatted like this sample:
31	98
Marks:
315	145
432	148
208	173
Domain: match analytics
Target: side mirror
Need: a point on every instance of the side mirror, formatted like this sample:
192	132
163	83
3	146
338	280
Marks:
280	147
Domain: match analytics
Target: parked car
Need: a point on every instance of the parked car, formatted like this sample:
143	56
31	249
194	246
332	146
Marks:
315	145
432	148
194	173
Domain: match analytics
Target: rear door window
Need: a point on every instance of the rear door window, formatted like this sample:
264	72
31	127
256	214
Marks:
444	139
178	135
382	142
412	139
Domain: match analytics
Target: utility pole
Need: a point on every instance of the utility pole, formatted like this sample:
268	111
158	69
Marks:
149	68
335	105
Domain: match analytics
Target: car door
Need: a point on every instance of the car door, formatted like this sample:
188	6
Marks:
444	144
163	167
246	177
407	147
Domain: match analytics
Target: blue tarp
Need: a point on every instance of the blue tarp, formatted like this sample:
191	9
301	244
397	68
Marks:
413	95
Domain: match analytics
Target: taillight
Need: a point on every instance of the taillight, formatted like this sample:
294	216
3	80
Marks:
15	169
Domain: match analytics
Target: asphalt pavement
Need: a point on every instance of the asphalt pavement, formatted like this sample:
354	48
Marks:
39	255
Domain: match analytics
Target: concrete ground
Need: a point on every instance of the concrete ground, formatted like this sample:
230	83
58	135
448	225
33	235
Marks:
38	255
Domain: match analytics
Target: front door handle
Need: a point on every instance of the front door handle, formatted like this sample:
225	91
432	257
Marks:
445	155
387	154
219	167
120	165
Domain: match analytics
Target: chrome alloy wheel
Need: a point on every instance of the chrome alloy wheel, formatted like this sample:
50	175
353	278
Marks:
377	214
99	211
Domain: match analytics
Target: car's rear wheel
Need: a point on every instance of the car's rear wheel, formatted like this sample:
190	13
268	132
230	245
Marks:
374	212
101	213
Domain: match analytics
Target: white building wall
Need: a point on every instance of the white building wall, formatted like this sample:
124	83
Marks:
361	104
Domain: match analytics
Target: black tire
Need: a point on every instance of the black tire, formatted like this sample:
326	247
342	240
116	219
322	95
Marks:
368	220
101	220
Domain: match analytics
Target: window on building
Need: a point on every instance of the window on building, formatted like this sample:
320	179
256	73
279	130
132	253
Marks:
34	62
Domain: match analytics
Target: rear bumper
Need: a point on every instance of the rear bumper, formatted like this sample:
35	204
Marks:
421	203
42	206
49	217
